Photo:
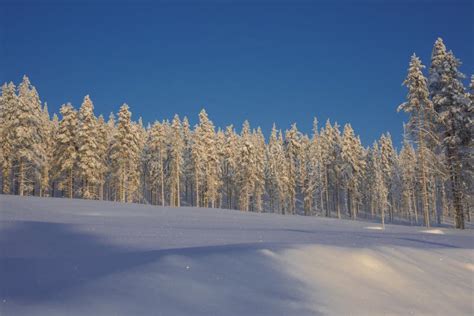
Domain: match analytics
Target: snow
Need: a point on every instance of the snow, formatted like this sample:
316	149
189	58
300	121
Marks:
76	257
433	231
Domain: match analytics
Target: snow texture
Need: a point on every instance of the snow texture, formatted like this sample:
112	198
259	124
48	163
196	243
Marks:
79	257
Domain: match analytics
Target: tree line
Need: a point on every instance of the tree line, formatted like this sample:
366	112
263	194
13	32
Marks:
328	173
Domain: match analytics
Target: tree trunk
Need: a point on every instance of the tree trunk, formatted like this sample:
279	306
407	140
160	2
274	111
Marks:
21	178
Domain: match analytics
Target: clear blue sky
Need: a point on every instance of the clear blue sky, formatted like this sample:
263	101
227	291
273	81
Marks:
281	62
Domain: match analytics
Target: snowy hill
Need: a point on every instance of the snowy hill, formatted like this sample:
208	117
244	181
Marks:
77	257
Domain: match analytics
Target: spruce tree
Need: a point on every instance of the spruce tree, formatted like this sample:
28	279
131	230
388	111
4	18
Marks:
421	126
88	155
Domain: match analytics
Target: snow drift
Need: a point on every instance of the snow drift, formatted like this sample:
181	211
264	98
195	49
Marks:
77	257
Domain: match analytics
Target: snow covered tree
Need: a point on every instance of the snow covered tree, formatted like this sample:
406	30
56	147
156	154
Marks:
102	151
65	152
88	156
388	161
380	188
206	162
259	169
8	107
292	147
26	125
408	171
276	169
135	189
353	165
421	126
187	161
156	148
176	160
246	167
229	165
49	129
455	119
305	173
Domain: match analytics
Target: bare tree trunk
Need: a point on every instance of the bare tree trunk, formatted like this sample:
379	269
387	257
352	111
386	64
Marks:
21	178
70	184
326	189
6	177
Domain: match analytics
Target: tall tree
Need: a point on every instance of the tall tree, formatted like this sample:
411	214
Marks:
421	126
455	119
176	160
65	153
8	107
28	136
88	156
292	148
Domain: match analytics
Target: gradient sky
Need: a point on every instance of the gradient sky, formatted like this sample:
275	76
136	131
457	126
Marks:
265	61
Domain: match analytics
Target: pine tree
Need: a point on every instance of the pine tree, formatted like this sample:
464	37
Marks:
8	106
48	129
246	171
26	125
455	119
157	156
421	126
292	148
388	160
276	171
229	165
316	176
122	153
259	169
102	151
187	161
135	190
88	156
353	164
408	171
176	160
380	189
326	145
65	153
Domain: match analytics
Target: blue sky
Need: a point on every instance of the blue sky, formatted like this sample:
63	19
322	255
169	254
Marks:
266	61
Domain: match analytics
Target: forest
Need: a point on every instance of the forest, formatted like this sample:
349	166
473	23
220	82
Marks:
328	173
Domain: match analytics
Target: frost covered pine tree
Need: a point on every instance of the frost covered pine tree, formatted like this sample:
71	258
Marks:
88	157
276	171
455	119
421	127
229	166
8	107
49	129
122	153
246	167
259	169
65	152
28	146
292	147
102	151
187	161
176	149
156	149
135	190
380	188
408	171
388	157
353	165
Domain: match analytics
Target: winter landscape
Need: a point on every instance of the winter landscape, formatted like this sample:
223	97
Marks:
191	209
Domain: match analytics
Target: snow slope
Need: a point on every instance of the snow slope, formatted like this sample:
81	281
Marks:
76	257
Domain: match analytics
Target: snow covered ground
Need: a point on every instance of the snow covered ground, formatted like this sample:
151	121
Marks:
76	257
